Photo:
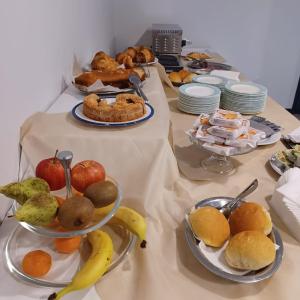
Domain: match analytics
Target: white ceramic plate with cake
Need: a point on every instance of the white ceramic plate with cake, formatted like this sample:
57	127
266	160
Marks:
79	115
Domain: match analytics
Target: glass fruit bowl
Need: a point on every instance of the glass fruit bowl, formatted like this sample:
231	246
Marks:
55	230
64	266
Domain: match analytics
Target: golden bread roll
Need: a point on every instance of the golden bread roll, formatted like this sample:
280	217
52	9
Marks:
189	78
183	73
210	226
175	77
250	216
250	250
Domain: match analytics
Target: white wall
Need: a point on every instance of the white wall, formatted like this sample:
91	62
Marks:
38	41
259	37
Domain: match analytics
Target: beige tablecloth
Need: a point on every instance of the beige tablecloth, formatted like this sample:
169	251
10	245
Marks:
141	159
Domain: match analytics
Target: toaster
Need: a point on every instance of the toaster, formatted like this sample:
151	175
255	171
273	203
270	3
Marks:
166	38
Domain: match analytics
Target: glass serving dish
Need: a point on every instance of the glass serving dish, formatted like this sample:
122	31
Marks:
64	266
26	238
220	164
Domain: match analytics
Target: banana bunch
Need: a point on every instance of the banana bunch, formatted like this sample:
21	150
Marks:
126	217
96	265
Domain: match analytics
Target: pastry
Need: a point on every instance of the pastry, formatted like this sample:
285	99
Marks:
131	52
183	73
210	226
117	78
175	77
250	216
189	77
125	59
139	54
182	76
126	108
103	62
197	55
250	250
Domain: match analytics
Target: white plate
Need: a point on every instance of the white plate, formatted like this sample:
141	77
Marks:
245	89
209	80
199	91
274	138
77	113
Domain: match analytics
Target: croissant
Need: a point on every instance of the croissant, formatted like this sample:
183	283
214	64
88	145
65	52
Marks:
103	62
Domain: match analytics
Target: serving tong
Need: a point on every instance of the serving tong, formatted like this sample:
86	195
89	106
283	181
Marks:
136	81
229	207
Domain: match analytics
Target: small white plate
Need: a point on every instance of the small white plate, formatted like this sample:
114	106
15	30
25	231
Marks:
274	138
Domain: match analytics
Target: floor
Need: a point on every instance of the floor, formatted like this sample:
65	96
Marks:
297	116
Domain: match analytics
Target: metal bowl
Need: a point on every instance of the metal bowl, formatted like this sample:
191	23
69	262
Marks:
251	276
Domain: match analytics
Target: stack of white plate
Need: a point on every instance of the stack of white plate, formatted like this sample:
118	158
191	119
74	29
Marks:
244	97
211	80
195	98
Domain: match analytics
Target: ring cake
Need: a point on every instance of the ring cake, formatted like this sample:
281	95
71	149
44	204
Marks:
127	107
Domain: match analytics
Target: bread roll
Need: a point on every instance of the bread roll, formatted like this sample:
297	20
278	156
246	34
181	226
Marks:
183	73
189	78
175	77
250	250
210	226
250	216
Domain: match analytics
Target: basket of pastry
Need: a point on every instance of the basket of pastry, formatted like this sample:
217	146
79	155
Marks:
181	77
106	75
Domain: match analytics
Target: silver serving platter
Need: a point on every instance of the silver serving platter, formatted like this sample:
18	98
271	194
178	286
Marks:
252	276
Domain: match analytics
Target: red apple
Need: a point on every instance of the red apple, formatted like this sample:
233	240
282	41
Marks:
85	173
52	171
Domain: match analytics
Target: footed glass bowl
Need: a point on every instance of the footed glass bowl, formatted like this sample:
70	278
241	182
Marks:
55	231
64	266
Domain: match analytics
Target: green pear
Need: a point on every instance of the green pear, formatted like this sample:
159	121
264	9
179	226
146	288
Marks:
24	190
39	210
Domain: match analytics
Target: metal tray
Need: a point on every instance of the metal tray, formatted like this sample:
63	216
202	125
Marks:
252	276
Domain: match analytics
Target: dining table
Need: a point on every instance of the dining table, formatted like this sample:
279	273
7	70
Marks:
159	171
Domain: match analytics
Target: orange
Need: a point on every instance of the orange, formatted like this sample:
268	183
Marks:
67	245
59	200
36	263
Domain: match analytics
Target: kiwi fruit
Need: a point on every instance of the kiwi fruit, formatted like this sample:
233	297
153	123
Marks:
76	212
101	193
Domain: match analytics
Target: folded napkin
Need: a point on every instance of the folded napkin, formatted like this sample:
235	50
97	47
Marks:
294	135
232	75
286	200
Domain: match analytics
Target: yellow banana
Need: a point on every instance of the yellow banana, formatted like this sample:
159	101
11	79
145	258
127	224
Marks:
96	265
127	218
